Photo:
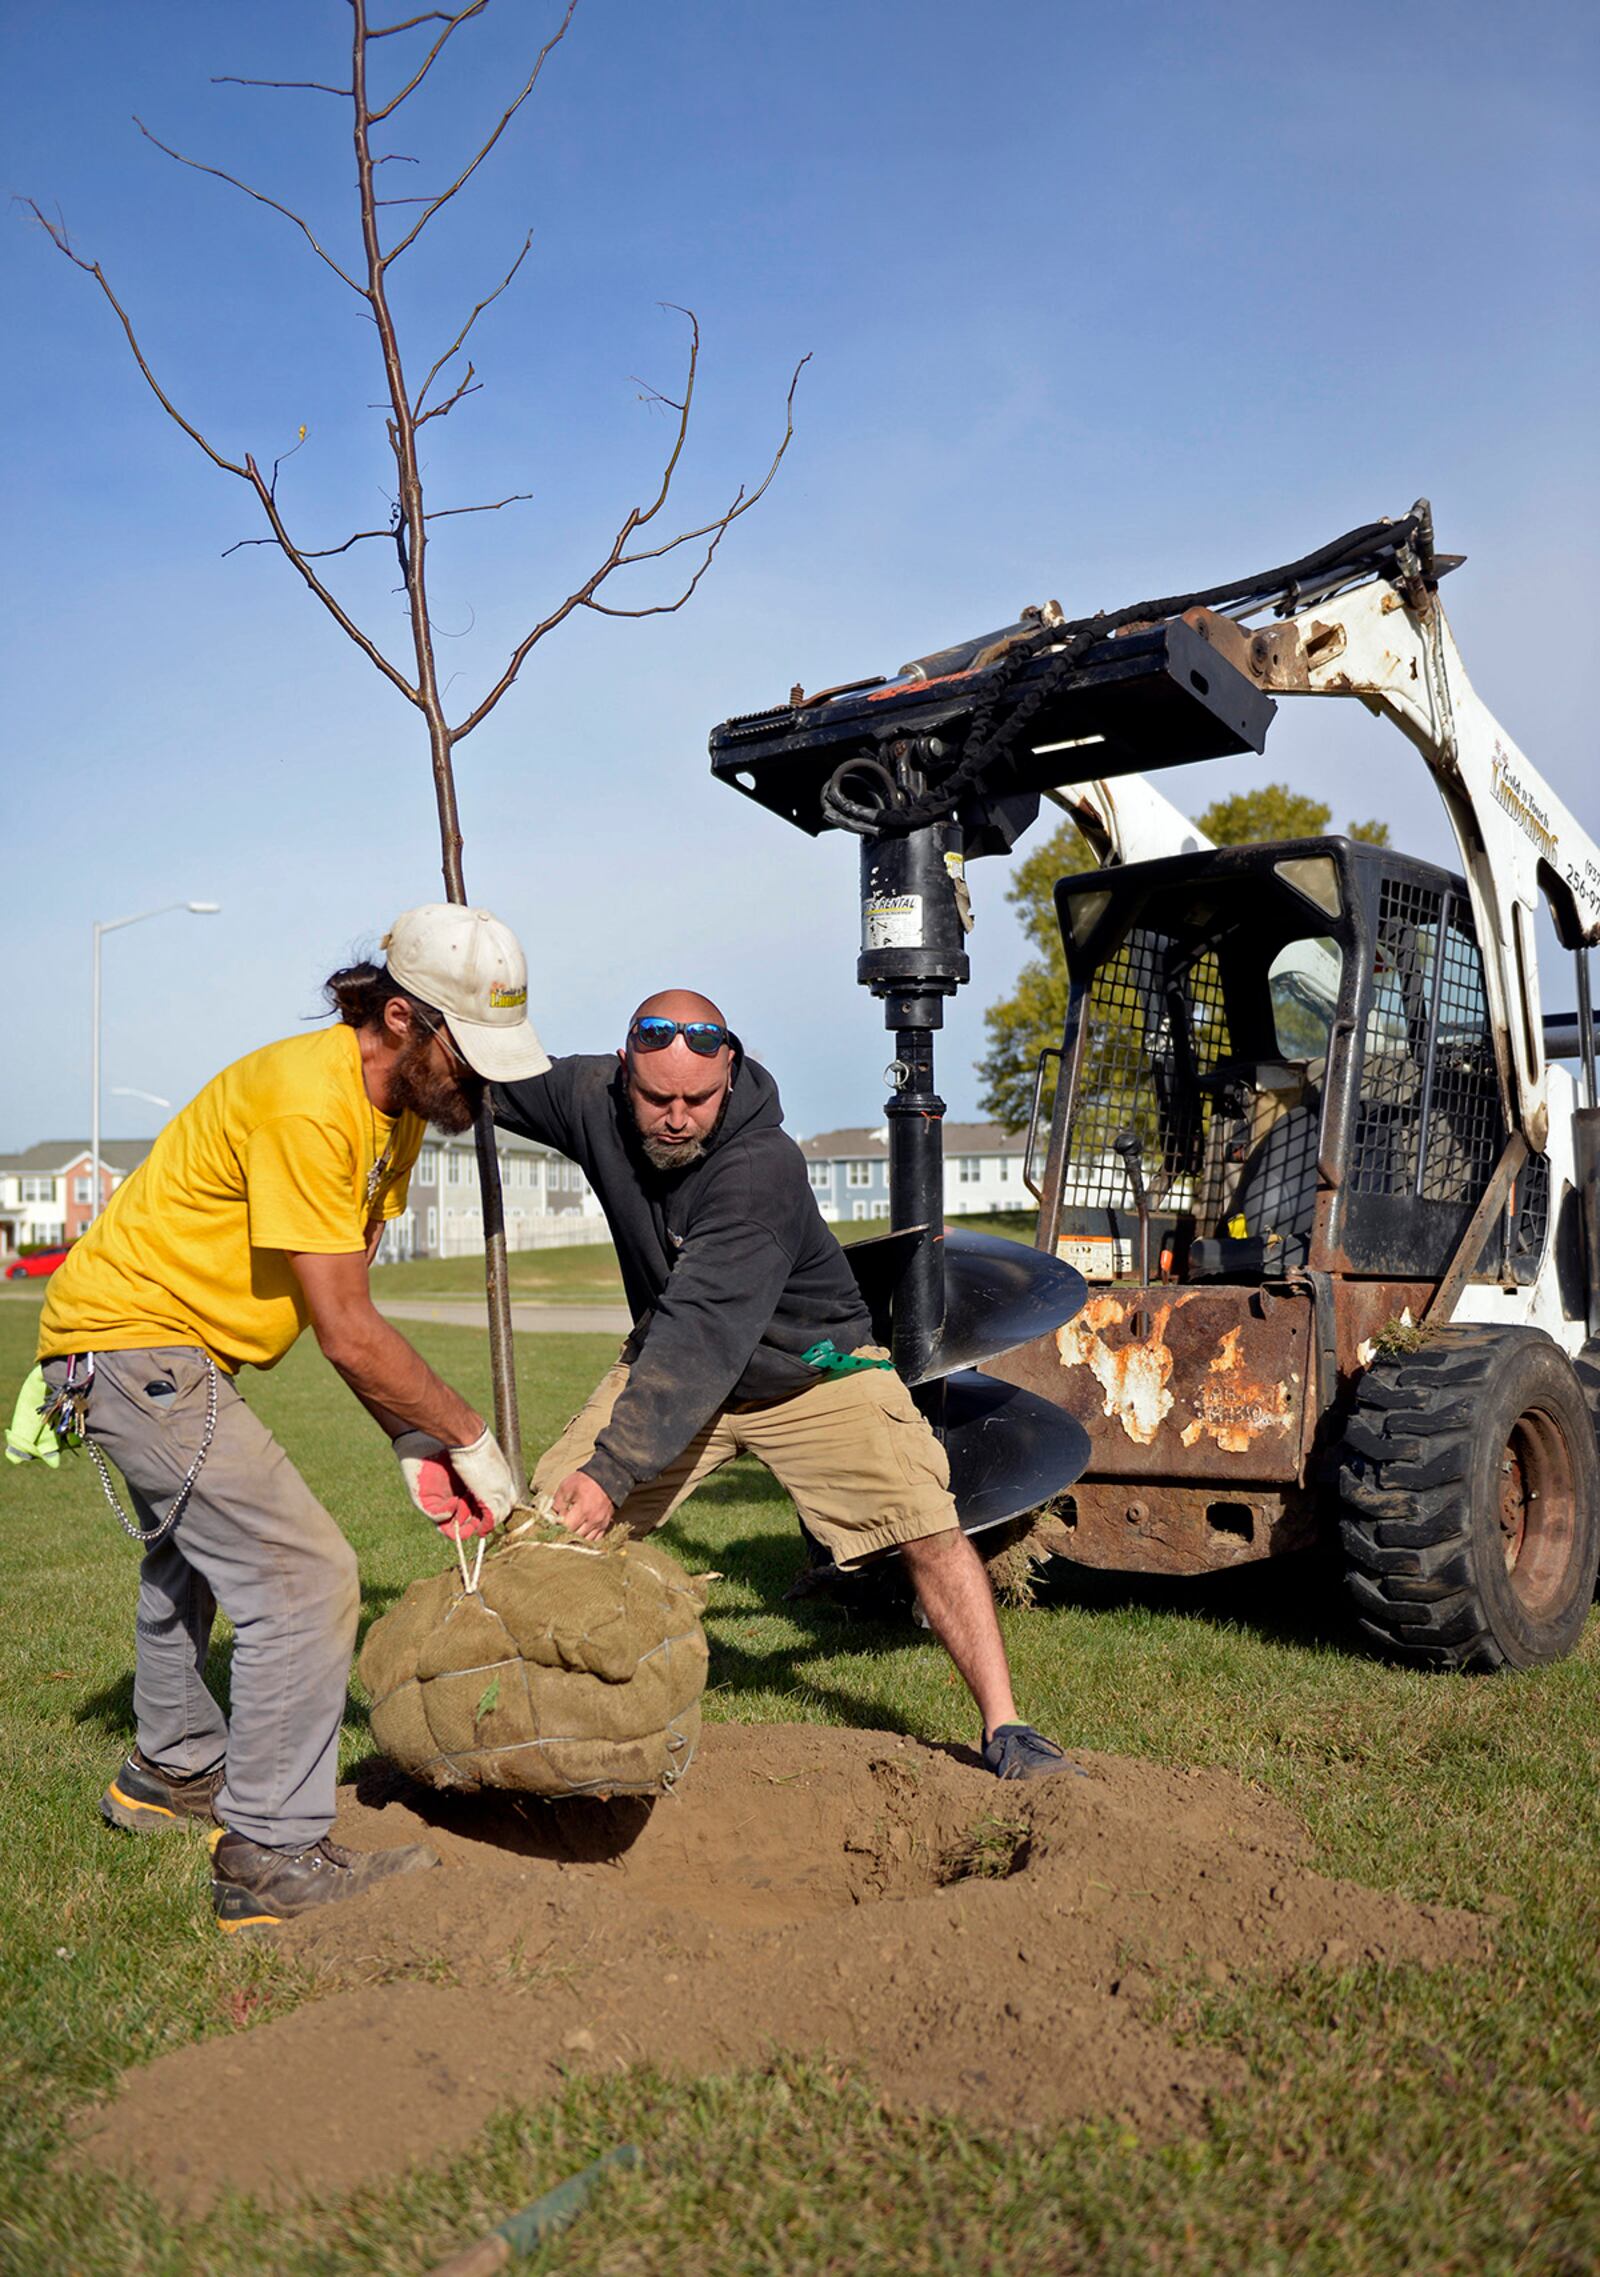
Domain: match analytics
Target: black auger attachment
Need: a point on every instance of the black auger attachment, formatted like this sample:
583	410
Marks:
945	763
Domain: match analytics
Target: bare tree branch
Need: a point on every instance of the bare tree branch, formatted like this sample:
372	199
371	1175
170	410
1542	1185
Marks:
248	472
298	561
260	197
442	410
637	519
387	31
376	118
57	234
456	343
439	514
668	608
318	86
310	553
505	119
619	557
282	455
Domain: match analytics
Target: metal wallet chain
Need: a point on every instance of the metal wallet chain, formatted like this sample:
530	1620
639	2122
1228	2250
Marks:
70	1409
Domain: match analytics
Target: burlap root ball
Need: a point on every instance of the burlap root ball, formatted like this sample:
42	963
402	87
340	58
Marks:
572	1671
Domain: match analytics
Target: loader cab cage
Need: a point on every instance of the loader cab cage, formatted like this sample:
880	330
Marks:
1288	1048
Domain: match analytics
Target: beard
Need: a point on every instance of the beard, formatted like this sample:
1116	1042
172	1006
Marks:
449	1102
670	1154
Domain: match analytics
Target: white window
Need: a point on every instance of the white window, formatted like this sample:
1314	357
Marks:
858	1209
428	1166
858	1174
455	1166
38	1189
433	1233
967	1168
880	1209
83	1189
1002	1170
820	1175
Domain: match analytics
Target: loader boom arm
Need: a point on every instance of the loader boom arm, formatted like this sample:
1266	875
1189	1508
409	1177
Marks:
1518	841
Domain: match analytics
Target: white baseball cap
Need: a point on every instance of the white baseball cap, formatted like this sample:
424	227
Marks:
470	967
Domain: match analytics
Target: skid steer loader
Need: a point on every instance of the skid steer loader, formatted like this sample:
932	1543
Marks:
1318	1238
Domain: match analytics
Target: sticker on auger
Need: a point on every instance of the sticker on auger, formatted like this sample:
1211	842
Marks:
892	921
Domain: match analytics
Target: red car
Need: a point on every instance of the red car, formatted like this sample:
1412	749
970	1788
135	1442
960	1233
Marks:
42	1261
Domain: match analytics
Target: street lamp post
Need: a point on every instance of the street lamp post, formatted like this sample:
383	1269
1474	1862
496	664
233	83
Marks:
115	925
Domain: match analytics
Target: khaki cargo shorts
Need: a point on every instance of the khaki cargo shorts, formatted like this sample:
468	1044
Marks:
862	1463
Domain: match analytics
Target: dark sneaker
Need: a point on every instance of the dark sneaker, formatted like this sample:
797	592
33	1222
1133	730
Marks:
1017	1751
254	1887
144	1798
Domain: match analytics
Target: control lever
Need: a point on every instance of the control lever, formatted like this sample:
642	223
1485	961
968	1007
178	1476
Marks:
1131	1148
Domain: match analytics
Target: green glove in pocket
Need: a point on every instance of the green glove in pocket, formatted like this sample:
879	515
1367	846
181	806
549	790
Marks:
29	1437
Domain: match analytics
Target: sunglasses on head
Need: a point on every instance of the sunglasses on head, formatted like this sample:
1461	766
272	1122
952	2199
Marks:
706	1037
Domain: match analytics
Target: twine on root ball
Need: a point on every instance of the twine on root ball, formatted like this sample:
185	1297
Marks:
570	1670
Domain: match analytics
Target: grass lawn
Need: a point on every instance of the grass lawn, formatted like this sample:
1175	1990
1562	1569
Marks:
1393	2122
584	1275
588	1274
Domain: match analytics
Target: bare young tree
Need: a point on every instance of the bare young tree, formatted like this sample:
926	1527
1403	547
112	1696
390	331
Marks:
638	539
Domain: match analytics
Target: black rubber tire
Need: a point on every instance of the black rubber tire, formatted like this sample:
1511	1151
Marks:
1469	1490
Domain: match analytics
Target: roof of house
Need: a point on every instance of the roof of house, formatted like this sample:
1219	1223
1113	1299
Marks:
834	1146
959	1138
56	1155
507	1142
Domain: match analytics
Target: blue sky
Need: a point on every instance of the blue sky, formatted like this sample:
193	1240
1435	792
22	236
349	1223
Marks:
1100	302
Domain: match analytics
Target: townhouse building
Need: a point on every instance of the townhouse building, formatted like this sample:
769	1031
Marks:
548	1202
47	1191
849	1171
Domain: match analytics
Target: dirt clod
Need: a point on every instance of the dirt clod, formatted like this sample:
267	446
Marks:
990	1951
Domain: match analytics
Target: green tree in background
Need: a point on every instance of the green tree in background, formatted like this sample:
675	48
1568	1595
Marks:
1021	1024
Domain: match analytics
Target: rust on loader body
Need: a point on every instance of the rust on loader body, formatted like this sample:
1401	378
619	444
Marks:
1205	1407
1170	1382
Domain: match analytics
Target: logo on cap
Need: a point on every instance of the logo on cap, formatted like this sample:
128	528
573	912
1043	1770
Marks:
500	995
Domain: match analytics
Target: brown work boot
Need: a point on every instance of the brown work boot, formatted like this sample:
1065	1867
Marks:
255	1887
147	1798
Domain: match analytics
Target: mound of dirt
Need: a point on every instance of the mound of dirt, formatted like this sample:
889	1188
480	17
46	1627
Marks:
570	1671
985	1949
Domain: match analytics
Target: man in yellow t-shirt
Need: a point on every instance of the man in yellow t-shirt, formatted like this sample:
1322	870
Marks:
257	1214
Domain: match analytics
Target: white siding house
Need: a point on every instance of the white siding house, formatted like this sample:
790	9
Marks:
548	1201
849	1171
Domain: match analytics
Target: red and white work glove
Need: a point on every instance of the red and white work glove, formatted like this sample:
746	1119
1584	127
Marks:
466	1491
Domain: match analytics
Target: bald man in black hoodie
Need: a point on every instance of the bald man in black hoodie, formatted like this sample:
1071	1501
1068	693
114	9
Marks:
732	1279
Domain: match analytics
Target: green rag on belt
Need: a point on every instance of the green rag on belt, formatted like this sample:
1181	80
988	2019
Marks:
29	1438
828	1360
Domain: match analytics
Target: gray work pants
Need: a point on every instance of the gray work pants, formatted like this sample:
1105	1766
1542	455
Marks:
253	1539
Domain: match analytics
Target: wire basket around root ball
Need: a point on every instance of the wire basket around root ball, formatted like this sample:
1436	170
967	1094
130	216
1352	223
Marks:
570	1670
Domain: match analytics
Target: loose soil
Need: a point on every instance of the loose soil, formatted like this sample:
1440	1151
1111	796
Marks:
991	1950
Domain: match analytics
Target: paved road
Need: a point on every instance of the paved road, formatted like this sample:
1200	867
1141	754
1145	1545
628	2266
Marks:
526	1319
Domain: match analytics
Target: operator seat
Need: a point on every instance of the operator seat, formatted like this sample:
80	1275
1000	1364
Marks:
1267	1201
